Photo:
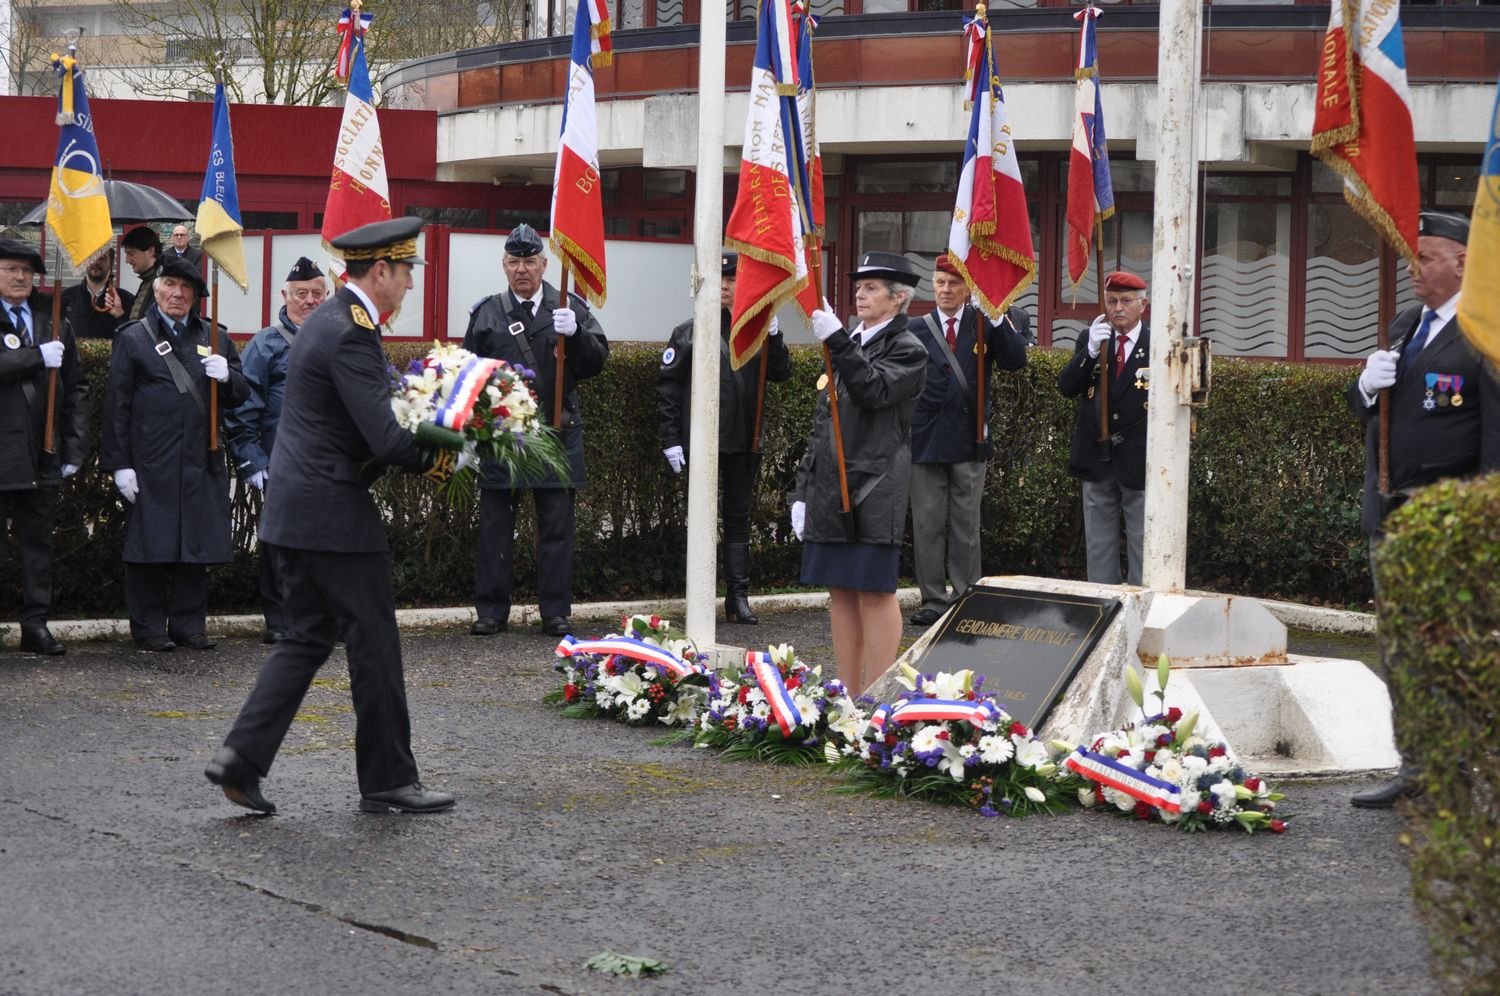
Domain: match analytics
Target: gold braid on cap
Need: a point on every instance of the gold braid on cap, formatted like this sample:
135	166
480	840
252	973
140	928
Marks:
396	251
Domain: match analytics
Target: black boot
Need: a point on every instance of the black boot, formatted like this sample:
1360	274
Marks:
737	585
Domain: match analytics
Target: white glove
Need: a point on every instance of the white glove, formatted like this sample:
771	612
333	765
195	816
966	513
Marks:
52	353
258	480
1379	372
467	455
775	328
216	367
825	323
799	517
125	482
565	320
69	469
675	458
1099	334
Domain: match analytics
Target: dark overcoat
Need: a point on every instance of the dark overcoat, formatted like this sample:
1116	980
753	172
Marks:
737	388
533	346
943	425
181	515
24	464
1429	443
250	429
1123	457
87	322
878	386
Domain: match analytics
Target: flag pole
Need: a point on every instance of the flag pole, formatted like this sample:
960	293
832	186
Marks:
49	444
1106	369
846	512
1383	341
760	397
560	352
213	311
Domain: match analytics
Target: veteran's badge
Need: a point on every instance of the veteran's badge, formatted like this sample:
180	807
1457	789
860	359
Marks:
12	341
361	317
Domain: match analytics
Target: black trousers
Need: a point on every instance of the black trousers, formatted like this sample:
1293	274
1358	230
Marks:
32	514
736	489
166	599
328	594
270	593
494	573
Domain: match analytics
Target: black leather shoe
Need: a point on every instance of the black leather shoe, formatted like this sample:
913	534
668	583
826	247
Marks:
272	635
487	626
39	640
240	781
411	798
196	641
1403	786
556	626
925	616
156	644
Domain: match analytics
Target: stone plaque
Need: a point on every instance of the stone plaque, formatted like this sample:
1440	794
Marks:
1027	644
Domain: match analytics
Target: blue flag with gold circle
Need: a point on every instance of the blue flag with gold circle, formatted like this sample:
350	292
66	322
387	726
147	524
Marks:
77	210
218	221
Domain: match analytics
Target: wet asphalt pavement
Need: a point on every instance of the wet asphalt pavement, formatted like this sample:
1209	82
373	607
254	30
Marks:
123	871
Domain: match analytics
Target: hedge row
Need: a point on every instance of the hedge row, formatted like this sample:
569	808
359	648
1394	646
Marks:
1440	626
1274	508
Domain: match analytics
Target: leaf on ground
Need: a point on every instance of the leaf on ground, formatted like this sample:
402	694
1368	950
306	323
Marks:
611	963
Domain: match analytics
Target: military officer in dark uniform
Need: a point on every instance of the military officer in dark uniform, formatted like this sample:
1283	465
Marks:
95	306
879	369
1445	408
1113	472
948	463
143	255
336	436
31	478
521	325
155	442
738	459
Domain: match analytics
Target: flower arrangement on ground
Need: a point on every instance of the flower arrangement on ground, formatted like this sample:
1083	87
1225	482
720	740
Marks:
948	742
777	708
457	402
641	676
1158	768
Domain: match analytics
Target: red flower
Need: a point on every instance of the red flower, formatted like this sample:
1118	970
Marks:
1218	751
891	740
570	692
1150	756
744	695
944	736
656	622
793	682
1205	807
1252	783
1165	740
729	722
1174	714
1278	826
501	411
1019	729
1099	793
1143	810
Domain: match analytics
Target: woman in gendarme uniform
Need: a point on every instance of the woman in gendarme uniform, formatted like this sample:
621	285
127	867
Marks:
879	369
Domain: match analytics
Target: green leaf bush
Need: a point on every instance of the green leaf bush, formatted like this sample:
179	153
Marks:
1274	501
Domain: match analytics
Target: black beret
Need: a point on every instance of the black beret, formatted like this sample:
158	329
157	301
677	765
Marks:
173	265
1444	225
886	266
523	241
395	240
304	269
729	264
24	251
142	237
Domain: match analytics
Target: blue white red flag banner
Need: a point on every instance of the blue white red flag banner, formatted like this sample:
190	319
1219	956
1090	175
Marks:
806	166
351	28
577	198
1362	122
765	222
218	220
989	242
77	210
1091	193
768	676
633	649
358	192
1479	299
1136	784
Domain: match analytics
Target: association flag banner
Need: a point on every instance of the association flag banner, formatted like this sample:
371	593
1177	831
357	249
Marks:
989	242
765	224
1091	193
218	220
358	192
1479	300
77	210
352	27
577	237
806	165
1362	122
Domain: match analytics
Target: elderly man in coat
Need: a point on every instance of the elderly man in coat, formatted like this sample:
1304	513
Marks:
155	443
30	477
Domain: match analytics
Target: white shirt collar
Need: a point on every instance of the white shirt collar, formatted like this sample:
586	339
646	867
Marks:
1133	335
943	317
1444	313
865	333
365	300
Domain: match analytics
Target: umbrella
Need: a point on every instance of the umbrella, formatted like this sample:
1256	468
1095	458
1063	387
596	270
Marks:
128	202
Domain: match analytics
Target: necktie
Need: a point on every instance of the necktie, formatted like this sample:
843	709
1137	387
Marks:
1418	339
176	334
952	333
1122	350
19	321
529	307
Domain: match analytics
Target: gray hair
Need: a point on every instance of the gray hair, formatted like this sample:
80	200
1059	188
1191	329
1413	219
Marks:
904	294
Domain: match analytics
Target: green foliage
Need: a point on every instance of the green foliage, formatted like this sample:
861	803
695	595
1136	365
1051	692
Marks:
1440	626
1274	505
611	963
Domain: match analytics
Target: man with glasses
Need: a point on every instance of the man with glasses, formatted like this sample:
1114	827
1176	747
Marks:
181	247
521	326
31	478
250	429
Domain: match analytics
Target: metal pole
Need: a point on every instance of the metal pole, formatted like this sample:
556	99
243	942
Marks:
1173	267
708	245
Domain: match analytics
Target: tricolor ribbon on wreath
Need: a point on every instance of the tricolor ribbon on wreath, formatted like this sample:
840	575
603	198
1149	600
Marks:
773	687
637	650
458	408
936	711
1122	777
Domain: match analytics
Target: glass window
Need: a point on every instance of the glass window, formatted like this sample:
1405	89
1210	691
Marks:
906	177
668	12
1131	252
630	14
259	221
1343	278
1325	180
1245	278
885	6
663	228
662	184
1456	185
505	220
1248	184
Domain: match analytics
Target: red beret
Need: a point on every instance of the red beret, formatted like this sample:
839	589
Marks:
945	265
1121	280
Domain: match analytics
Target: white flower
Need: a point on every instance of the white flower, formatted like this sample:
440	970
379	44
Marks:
638	709
807	707
967	750
951	763
760	710
1035	794
1223	793
1193	765
995	749
1030	753
947	685
927	739
1188	800
1086	796
1123	802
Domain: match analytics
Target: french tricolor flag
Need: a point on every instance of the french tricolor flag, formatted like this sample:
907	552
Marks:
577	199
357	192
1362	123
990	238
1091	193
